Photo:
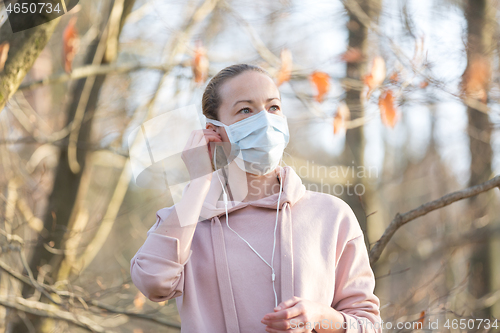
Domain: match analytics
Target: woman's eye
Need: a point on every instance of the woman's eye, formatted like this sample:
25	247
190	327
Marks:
274	106
245	109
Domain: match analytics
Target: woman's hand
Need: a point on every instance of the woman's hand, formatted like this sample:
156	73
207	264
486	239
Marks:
197	153
299	315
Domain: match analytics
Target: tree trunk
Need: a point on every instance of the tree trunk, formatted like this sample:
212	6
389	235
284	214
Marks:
480	33
353	155
62	200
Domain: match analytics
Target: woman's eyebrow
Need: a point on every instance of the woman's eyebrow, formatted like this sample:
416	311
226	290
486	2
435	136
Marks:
250	101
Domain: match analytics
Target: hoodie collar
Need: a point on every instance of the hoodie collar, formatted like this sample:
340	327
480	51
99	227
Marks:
292	191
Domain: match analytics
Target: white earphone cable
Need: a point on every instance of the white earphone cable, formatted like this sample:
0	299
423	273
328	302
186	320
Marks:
224	196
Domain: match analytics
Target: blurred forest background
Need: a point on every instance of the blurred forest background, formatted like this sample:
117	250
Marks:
408	89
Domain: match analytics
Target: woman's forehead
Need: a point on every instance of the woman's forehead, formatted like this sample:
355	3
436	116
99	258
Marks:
249	85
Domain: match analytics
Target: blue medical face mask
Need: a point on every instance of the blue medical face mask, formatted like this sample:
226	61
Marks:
258	141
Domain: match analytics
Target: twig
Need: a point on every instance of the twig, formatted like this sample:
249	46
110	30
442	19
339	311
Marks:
177	47
401	219
364	19
464	239
49	311
88	86
85	300
90	70
35	283
390	274
257	42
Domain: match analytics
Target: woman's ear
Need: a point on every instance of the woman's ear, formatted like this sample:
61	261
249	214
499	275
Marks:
211	127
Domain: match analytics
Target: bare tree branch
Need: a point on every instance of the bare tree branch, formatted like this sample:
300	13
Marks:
85	301
356	10
90	70
177	46
49	311
402	219
94	70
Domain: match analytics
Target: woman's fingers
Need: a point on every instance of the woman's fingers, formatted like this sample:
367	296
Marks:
288	303
196	161
297	322
206	136
200	137
210	136
288	313
211	133
284	312
194	156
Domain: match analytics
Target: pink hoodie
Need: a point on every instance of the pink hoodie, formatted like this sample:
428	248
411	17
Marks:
225	287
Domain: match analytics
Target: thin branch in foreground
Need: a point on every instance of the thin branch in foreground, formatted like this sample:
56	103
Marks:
401	219
369	23
85	301
90	70
50	311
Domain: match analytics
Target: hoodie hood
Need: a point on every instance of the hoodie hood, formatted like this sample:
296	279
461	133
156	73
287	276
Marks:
212	208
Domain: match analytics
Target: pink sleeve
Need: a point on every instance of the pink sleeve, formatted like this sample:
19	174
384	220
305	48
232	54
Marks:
156	269
354	286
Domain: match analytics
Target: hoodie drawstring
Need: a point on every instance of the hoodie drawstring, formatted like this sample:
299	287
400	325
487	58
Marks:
223	279
222	267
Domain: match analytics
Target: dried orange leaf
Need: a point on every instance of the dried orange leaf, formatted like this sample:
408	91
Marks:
424	84
285	71
321	81
394	77
352	55
4	51
200	63
376	76
476	78
70	44
388	111
422	318
343	114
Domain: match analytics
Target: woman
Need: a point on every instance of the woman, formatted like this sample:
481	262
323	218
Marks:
284	245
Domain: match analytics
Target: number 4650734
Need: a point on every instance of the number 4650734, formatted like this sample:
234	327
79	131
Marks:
32	8
470	323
